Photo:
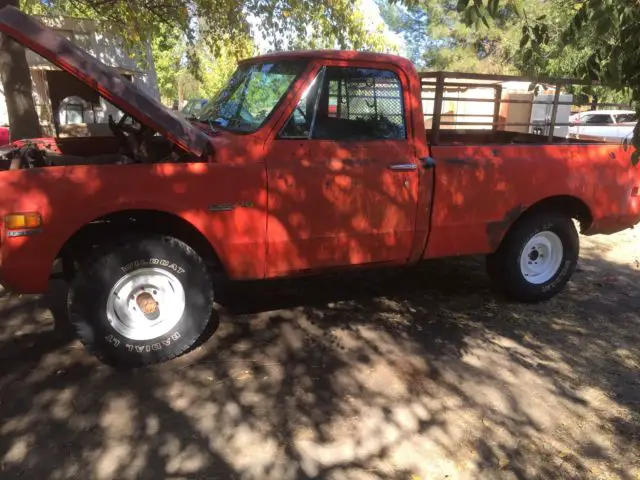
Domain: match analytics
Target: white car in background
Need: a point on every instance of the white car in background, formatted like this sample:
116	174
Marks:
609	125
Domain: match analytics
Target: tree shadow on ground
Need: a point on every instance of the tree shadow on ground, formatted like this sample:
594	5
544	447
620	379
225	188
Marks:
375	374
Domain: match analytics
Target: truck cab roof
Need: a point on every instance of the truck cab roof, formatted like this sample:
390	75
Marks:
350	55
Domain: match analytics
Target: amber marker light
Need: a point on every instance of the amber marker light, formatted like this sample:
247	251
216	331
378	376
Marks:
20	224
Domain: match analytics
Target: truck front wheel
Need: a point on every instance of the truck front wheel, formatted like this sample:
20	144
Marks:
536	258
143	302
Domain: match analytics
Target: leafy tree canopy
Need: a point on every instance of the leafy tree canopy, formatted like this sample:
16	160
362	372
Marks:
438	37
177	77
196	43
596	39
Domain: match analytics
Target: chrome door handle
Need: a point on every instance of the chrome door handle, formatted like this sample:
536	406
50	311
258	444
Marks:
402	167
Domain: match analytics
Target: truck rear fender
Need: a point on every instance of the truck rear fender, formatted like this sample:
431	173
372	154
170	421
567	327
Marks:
568	205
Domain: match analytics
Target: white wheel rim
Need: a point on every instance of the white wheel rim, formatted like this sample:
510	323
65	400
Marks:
541	258
146	304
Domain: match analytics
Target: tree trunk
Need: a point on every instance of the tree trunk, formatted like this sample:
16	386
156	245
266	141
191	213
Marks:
16	83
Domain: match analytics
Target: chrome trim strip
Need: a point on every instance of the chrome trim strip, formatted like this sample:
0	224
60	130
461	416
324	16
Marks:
402	167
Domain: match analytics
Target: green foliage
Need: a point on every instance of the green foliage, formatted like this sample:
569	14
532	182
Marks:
411	23
168	52
452	37
336	23
316	24
216	69
596	39
196	43
179	79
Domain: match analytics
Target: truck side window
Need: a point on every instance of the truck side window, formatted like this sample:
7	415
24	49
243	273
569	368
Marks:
299	123
360	104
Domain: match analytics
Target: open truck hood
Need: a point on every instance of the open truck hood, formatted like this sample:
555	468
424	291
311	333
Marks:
105	80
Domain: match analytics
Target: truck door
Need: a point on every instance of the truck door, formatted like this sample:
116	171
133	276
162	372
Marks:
343	185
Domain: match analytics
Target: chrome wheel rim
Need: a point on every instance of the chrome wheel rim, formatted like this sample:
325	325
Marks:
541	258
145	304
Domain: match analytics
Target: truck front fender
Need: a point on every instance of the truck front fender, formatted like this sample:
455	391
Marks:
69	198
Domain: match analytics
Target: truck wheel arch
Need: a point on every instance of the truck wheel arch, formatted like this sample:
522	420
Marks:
571	206
122	223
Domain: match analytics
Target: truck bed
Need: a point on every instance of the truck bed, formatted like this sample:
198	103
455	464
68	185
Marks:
480	189
481	109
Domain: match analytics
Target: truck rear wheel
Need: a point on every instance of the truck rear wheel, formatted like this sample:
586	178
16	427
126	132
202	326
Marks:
143	302
536	258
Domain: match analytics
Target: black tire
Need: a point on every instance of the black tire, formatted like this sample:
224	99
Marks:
503	266
97	276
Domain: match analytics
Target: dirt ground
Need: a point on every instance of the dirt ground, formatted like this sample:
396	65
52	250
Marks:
402	374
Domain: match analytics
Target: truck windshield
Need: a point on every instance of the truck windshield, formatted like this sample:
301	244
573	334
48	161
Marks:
252	93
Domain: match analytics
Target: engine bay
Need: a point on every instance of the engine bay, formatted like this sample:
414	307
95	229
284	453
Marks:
131	143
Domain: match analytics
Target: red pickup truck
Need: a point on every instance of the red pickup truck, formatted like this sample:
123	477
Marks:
305	162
